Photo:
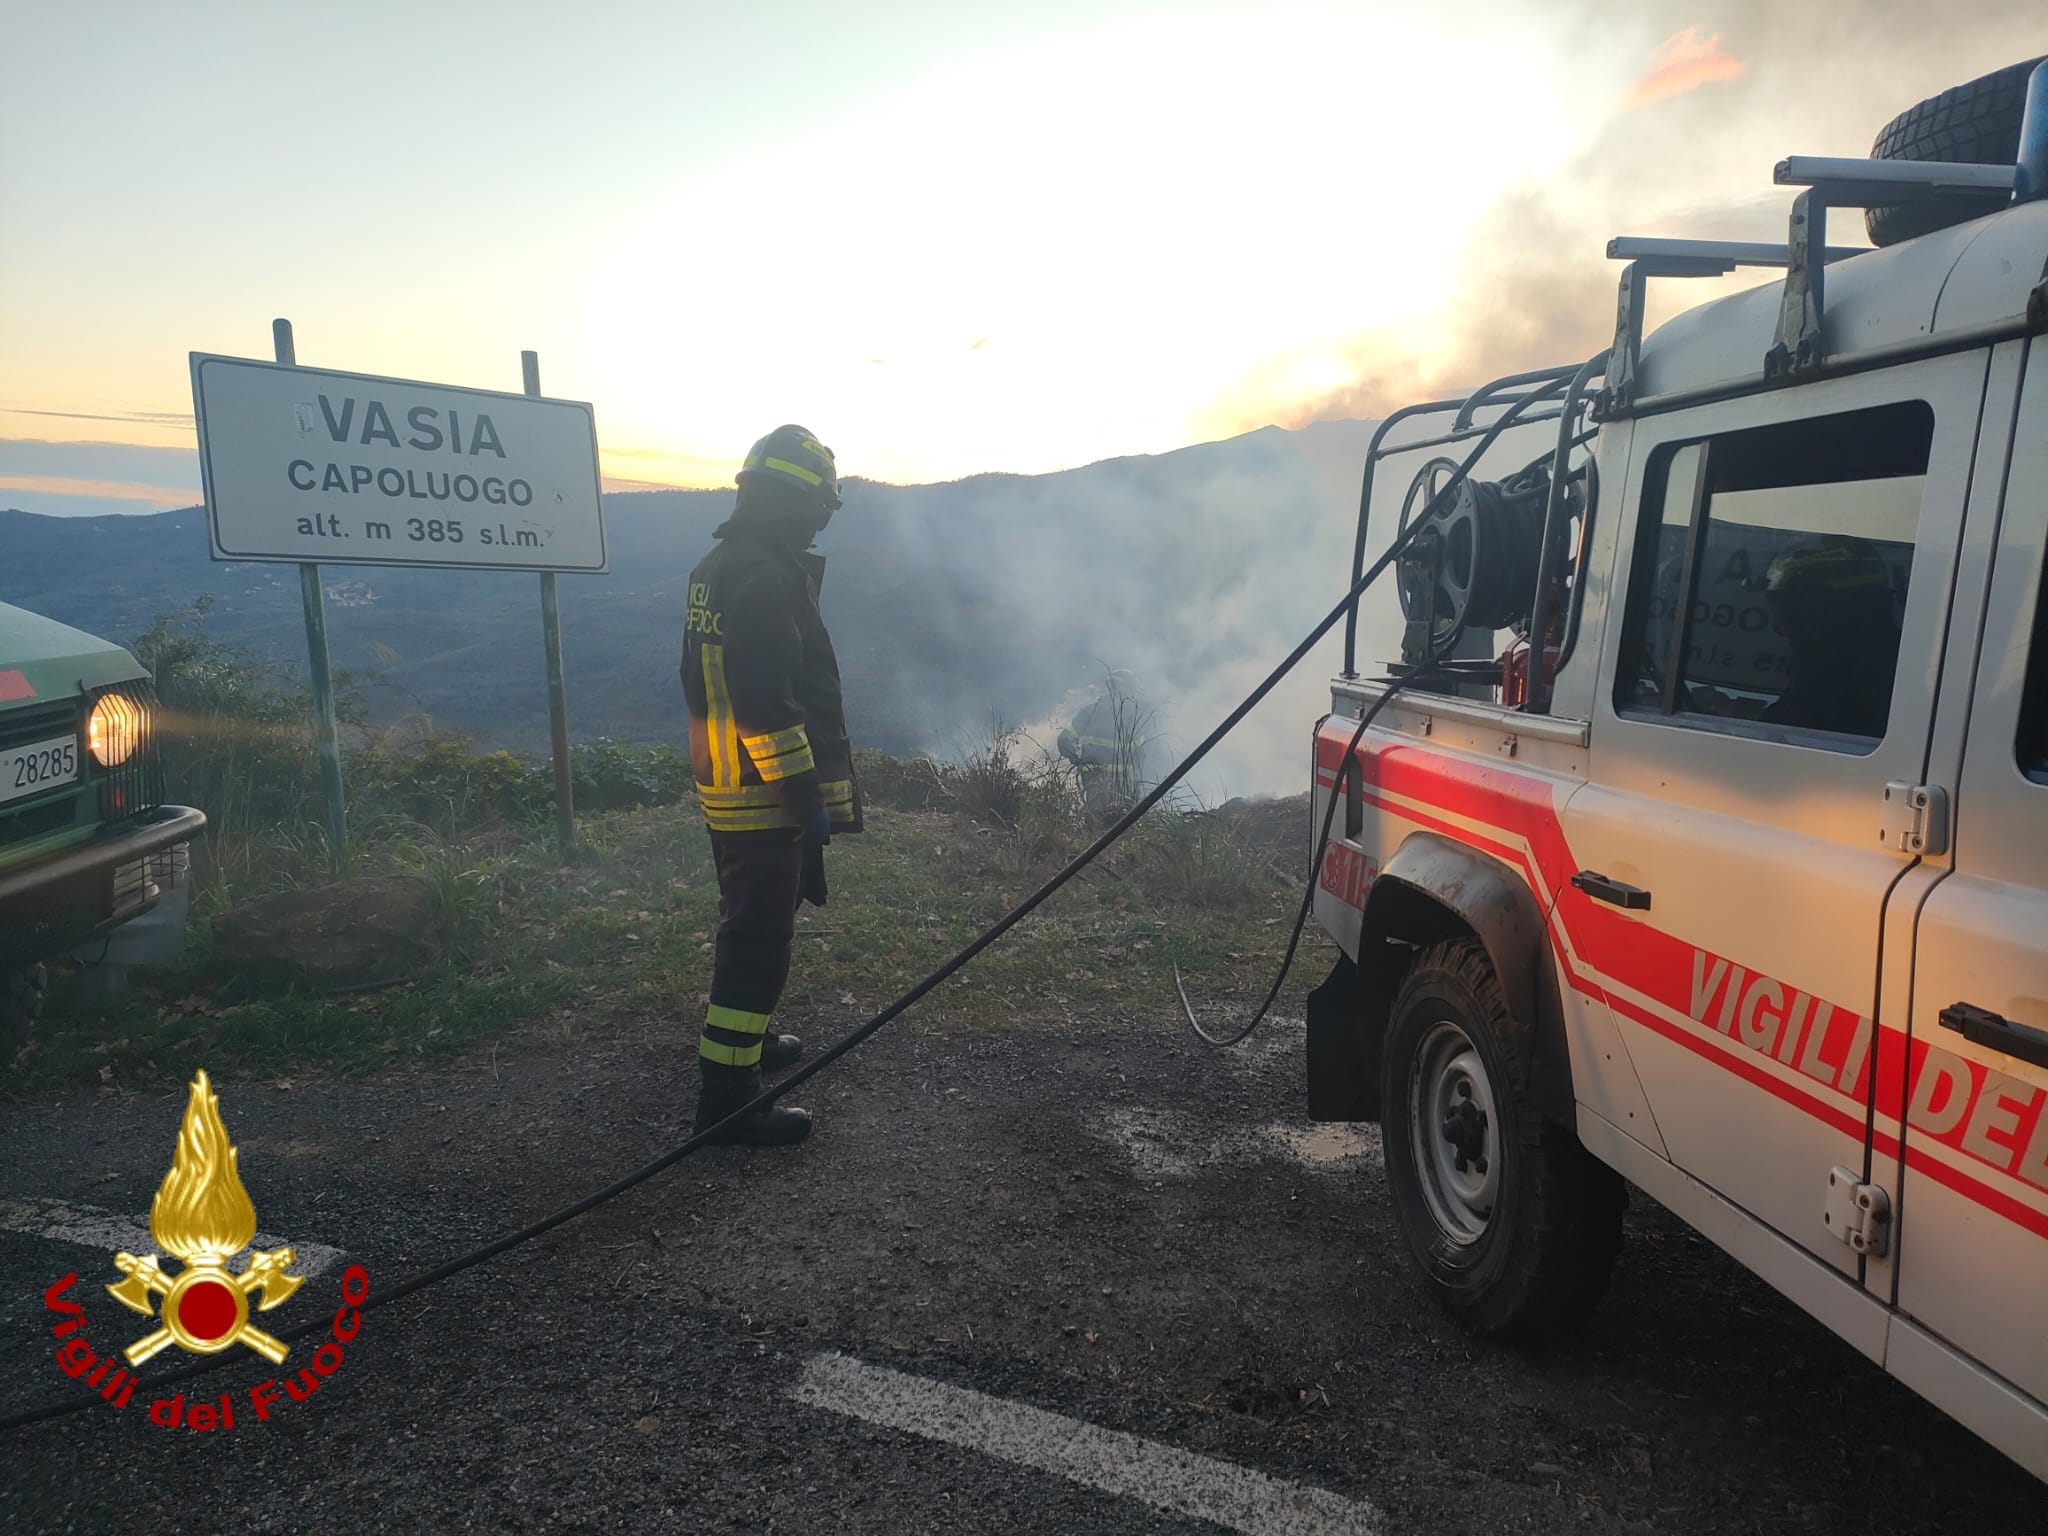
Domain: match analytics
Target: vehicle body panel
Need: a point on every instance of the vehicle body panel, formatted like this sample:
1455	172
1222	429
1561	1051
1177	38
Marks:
1777	1010
1972	1270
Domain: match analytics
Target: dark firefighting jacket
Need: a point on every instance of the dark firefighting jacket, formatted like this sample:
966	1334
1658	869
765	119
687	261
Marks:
767	725
1094	738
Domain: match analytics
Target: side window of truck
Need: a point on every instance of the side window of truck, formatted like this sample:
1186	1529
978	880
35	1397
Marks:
1770	578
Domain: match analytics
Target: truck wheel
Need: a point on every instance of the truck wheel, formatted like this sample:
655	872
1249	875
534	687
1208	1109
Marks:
21	1004
1973	124
1513	1223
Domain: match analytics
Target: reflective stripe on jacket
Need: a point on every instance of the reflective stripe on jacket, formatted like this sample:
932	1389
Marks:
768	734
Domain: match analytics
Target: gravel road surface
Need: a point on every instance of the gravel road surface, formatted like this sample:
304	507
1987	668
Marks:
1078	1277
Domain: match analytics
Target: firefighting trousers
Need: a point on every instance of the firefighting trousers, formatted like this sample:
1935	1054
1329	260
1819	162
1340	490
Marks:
759	878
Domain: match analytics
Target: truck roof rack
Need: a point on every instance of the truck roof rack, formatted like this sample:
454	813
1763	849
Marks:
1893	181
1714	257
1651	256
1842	183
1828	182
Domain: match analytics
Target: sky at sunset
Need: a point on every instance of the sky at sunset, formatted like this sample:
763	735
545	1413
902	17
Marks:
949	238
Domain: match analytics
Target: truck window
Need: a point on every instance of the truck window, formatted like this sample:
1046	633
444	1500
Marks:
2033	740
1771	574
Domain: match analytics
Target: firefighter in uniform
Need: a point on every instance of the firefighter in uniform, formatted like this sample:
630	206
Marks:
1104	743
1832	600
773	764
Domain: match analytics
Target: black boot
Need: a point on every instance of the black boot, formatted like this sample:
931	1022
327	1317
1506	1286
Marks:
725	1089
779	1051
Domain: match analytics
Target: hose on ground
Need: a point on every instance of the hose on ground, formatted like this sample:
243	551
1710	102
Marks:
485	1252
1315	866
1437	504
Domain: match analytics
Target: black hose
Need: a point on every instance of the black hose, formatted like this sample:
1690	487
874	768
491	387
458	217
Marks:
1438	505
510	1240
1315	867
1017	914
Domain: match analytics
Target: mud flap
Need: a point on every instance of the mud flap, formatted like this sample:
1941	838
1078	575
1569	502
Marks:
1343	1049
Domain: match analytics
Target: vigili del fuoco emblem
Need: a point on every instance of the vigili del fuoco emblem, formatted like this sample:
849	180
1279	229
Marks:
204	1216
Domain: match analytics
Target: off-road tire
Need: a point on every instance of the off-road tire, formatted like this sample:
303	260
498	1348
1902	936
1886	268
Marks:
21	1004
1547	1247
1973	124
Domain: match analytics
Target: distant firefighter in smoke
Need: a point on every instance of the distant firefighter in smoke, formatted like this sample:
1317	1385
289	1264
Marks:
773	763
1106	742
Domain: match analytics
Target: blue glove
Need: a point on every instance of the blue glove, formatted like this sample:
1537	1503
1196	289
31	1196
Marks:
818	827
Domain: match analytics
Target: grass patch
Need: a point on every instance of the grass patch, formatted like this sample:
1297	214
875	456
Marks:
522	942
527	943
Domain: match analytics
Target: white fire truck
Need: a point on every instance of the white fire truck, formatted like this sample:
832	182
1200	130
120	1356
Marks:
1698	837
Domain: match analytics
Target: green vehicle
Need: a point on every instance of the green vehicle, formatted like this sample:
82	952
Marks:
92	862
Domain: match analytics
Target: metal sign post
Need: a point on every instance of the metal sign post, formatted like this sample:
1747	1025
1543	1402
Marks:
551	645
313	466
317	663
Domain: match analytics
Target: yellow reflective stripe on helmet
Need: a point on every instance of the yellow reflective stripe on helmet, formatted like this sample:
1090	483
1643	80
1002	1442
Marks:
808	476
723	729
730	1055
785	467
738	1020
778	754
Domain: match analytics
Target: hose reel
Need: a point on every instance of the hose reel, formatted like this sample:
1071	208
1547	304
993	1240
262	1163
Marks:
1475	566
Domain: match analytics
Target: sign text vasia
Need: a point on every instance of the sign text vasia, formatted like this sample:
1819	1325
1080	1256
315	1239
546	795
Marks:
428	430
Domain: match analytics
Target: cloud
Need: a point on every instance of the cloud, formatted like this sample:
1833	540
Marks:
612	483
137	463
1683	62
181	421
72	496
659	469
157	496
68	479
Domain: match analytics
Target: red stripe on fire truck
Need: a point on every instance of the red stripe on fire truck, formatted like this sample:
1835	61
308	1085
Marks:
1806	1051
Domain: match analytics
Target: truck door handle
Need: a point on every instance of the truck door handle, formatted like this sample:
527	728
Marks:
1600	888
1995	1032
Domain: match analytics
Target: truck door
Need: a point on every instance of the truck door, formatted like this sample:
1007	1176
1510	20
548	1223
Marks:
1776	665
1972	1266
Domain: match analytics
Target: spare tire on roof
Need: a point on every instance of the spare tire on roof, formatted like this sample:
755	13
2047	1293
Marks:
1973	124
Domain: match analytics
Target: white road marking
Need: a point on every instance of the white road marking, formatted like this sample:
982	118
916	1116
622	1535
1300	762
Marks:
1330	1144
1167	1144
90	1227
1179	1482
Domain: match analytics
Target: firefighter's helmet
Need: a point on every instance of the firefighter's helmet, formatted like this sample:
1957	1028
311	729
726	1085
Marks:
1823	570
791	456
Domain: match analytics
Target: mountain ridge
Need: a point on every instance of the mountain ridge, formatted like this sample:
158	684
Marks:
997	595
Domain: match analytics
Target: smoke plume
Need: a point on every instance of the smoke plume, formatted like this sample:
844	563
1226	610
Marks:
1687	109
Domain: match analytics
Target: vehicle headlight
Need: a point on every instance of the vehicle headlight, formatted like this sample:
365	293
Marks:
114	730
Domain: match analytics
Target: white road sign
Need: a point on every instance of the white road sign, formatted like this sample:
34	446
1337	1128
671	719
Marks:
347	469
